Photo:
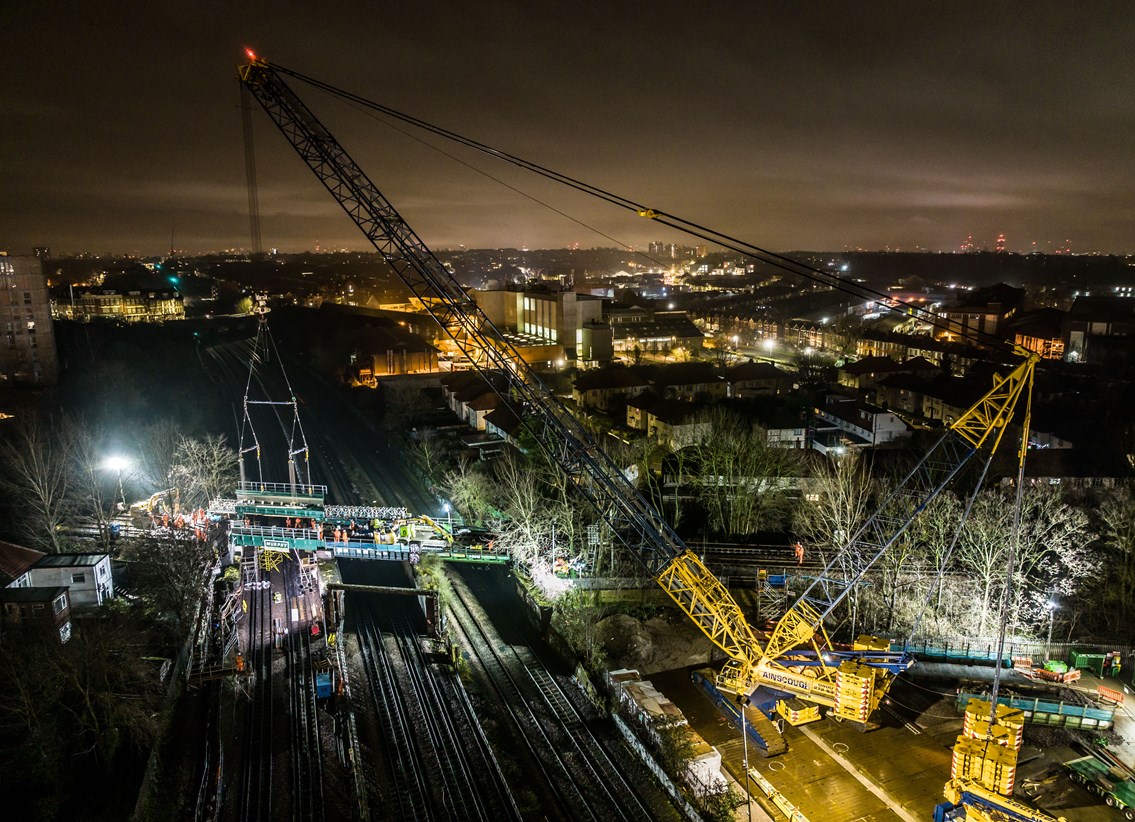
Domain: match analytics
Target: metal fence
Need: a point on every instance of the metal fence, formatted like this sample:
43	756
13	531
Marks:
985	649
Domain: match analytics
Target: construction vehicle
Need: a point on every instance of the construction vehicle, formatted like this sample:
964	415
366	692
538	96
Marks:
420	532
1108	781
969	801
798	658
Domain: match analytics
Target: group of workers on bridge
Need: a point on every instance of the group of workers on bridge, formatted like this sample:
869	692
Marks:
197	521
344	532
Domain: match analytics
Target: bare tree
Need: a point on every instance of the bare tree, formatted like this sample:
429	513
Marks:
933	535
526	526
1056	556
158	445
36	461
838	505
1117	524
168	573
742	482
812	366
842	494
204	469
95	489
104	677
471	490
403	405
429	451
724	351
1053	554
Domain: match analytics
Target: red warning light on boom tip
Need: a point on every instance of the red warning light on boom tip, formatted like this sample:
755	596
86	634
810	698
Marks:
251	54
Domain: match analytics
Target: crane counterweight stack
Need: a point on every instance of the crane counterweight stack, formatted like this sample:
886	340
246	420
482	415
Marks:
798	658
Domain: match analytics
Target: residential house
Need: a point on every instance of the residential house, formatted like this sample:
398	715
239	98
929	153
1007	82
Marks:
637	409
689	381
757	379
864	374
597	390
503	422
675	423
132	306
478	407
859	424
88	577
470	395
782	427
943	399
47	608
1101	329
16	563
900	347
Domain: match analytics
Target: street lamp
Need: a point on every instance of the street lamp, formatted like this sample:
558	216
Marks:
118	464
1051	606
743	700
448	518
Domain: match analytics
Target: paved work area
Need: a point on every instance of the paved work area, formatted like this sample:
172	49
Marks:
896	772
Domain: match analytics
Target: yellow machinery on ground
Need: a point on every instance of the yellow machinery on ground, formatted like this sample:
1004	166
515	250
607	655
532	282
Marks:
798	656
979	804
420	532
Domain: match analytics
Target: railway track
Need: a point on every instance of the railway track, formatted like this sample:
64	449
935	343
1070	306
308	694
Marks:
306	760
584	772
208	806
440	764
255	800
404	765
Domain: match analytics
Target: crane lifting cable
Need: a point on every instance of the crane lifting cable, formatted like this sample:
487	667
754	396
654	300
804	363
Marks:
261	392
689	227
250	170
798	657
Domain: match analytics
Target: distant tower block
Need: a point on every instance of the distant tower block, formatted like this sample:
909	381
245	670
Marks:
1000	243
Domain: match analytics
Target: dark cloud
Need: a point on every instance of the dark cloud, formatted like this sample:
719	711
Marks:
817	125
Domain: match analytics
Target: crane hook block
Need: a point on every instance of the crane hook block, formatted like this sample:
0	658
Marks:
648	213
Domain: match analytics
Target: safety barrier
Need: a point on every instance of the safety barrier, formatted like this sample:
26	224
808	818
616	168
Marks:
1048	712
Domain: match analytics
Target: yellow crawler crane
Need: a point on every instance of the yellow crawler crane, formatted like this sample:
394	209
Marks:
798	657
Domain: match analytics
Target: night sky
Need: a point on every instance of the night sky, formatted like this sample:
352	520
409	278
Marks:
804	126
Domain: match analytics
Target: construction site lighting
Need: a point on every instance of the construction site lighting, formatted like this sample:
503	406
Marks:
117	463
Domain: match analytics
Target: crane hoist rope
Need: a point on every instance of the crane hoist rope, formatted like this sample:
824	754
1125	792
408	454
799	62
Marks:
850	681
686	226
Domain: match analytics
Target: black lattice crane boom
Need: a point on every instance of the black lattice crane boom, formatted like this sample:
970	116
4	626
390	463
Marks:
813	673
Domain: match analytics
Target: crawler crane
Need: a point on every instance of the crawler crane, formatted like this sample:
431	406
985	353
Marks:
798	656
